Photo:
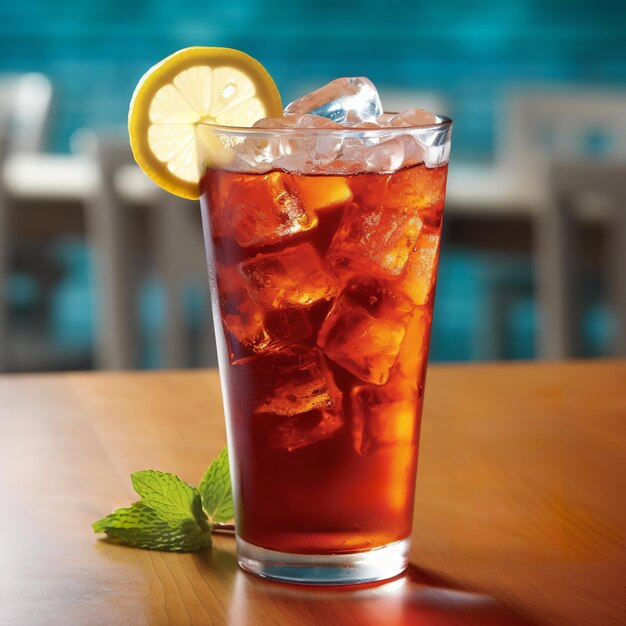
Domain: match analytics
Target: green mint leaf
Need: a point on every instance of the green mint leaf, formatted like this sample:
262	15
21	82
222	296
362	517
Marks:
172	498
215	489
143	527
170	514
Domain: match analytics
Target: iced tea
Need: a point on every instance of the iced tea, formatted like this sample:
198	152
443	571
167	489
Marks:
324	289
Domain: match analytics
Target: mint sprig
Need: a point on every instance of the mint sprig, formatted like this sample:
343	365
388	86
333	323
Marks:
172	515
215	490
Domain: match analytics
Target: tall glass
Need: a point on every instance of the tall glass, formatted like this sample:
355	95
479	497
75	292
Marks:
323	286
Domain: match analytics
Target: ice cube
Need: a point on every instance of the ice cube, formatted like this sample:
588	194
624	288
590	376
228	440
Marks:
262	210
318	148
298	150
245	334
418	279
368	125
347	101
251	163
365	346
413	117
365	328
412	190
314	121
375	241
381	420
436	145
417	189
434	151
388	156
378	298
286	121
303	430
298	381
259	152
251	331
384	119
297	162
294	276
231	291
408	375
319	193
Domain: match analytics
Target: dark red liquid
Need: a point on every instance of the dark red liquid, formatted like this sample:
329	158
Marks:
323	291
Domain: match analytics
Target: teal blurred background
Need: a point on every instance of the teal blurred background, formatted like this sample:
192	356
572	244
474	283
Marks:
465	55
468	51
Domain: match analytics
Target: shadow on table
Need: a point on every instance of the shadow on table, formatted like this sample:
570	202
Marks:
415	597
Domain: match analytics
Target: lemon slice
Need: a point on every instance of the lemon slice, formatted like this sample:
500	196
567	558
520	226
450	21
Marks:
178	99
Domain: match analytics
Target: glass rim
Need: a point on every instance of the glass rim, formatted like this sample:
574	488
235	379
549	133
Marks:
350	131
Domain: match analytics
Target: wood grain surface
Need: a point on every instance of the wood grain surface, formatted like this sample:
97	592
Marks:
519	518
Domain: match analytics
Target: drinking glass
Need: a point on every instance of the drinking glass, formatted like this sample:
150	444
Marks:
322	248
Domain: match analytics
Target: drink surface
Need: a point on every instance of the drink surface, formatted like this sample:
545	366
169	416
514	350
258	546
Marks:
323	292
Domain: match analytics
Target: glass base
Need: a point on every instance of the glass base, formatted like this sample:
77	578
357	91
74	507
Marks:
325	569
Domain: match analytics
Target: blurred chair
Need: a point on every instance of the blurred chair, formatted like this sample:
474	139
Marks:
537	124
580	189
178	250
28	98
25	103
4	123
541	128
108	235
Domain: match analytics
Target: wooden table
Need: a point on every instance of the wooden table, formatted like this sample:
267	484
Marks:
519	515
